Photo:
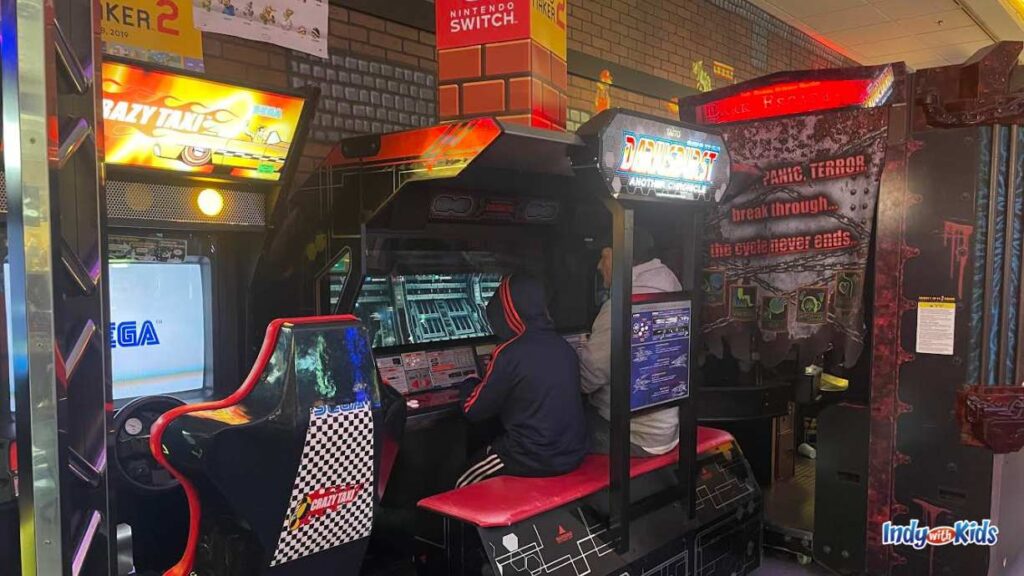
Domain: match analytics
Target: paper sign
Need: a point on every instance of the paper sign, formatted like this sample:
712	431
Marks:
154	31
299	25
936	320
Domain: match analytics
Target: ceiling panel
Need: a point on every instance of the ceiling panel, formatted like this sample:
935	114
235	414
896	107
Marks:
897	9
924	33
845	19
804	8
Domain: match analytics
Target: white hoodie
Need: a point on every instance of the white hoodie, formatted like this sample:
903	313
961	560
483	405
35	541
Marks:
657	432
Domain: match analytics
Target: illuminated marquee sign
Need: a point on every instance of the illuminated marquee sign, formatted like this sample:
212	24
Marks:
672	168
648	159
798	97
156	119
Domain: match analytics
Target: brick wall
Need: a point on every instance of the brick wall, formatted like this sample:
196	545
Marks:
519	81
382	75
665	38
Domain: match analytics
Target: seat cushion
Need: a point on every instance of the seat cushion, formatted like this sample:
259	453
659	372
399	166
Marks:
506	500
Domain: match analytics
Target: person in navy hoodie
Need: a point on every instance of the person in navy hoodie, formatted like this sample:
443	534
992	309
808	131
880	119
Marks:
532	385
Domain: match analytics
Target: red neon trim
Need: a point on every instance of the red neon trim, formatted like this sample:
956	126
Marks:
456	141
184	565
12	457
60	367
785	98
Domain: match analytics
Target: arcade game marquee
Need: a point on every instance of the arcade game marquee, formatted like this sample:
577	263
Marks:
191	166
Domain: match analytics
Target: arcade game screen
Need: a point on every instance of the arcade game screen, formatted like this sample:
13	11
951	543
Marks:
421	308
158	327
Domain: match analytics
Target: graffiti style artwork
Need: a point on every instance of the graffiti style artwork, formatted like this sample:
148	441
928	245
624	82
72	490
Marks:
788	243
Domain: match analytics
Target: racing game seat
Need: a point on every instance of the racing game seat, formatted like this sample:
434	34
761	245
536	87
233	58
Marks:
281	476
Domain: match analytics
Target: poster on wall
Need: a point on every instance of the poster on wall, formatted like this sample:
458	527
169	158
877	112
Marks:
296	24
788	243
153	31
155	119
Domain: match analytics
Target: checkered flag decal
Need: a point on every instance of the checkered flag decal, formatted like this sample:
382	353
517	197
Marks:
332	500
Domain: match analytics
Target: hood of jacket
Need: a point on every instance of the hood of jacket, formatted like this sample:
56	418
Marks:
517	307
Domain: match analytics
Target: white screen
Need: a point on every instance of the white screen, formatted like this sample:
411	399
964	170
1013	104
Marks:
168	354
164	351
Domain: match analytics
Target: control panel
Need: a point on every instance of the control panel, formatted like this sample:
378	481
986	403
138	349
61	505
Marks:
429	378
425	370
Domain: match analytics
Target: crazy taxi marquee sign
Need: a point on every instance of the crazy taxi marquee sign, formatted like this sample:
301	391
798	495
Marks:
645	159
160	120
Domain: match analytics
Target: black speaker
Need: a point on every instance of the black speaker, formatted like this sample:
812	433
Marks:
841	489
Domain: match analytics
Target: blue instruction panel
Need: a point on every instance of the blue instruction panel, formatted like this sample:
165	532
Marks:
659	353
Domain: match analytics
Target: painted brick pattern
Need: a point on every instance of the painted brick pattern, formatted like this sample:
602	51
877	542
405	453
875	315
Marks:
582	92
664	38
518	81
659	37
359	95
381	76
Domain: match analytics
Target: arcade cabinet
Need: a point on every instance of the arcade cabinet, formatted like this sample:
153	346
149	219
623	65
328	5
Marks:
419	228
868	256
191	166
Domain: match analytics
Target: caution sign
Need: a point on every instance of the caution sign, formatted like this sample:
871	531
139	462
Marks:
936	321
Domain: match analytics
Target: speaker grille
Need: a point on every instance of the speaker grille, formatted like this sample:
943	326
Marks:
138	202
167	203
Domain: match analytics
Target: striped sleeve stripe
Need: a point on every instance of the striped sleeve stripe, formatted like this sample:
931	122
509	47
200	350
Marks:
514	322
507	305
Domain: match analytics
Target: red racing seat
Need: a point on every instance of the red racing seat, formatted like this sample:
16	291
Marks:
507	500
280	475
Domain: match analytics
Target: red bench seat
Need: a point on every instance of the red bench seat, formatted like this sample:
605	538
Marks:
506	500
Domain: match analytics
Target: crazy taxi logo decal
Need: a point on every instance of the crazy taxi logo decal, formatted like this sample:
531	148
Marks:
322	502
155	119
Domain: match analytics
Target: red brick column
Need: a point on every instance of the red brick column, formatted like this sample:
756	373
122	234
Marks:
503	58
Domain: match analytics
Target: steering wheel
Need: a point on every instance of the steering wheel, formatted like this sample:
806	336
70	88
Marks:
133	462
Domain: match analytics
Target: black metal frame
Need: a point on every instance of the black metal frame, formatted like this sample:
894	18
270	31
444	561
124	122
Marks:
585	163
622	510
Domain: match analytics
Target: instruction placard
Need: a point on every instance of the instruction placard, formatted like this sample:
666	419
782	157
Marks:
936	320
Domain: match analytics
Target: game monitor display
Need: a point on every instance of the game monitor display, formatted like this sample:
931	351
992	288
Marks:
158	333
659	352
421	308
158	328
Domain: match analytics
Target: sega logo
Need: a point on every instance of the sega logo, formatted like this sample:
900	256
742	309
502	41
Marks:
131	334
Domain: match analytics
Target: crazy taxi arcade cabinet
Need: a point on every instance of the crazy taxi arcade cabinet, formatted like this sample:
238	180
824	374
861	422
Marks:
929	428
191	165
482	198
